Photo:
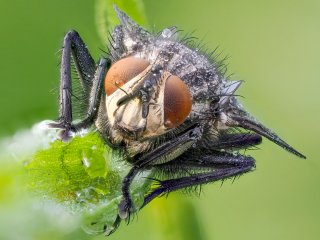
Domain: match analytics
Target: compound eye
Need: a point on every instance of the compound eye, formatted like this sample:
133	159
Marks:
177	102
123	71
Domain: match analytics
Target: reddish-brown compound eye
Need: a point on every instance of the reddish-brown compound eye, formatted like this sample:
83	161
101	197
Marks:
122	71
177	102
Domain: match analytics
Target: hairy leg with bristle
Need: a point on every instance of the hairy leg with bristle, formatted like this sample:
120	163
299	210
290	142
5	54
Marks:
161	154
251	124
90	79
219	167
234	141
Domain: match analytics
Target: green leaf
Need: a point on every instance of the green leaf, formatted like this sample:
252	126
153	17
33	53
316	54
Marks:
79	168
85	176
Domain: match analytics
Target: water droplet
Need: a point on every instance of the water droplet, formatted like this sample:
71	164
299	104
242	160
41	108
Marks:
166	33
166	58
81	132
86	162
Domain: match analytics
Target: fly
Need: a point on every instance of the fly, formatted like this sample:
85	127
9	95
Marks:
167	106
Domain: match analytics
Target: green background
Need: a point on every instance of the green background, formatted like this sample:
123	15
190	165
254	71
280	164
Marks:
274	46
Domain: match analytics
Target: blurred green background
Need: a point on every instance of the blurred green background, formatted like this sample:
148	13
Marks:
274	46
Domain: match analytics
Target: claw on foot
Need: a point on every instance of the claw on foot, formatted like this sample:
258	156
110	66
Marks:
123	209
65	133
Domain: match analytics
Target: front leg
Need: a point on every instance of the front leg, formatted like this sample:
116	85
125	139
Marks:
90	80
73	46
162	154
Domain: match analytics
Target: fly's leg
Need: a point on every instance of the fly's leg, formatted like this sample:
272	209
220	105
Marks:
219	167
95	94
210	157
235	141
164	153
73	46
90	79
126	204
252	125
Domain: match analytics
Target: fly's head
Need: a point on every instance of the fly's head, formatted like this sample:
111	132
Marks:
157	84
143	100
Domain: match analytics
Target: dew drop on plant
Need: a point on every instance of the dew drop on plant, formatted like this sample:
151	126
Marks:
86	162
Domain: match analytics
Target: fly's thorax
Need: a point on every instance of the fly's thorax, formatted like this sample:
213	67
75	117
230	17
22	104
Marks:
146	105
